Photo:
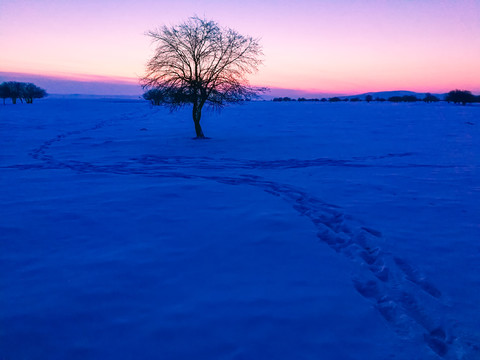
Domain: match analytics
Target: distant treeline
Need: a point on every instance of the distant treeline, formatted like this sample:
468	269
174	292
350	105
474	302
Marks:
456	96
18	90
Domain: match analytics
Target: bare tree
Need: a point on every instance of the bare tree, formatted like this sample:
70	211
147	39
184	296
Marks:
199	63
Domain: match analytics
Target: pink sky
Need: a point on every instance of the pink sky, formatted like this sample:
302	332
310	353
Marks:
342	46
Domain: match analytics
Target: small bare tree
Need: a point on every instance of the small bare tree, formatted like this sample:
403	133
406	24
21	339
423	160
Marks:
199	63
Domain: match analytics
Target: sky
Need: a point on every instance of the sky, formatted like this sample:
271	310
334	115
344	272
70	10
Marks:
332	46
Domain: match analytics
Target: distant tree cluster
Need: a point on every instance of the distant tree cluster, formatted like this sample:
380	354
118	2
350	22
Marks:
306	99
286	98
405	98
18	90
429	98
461	97
456	96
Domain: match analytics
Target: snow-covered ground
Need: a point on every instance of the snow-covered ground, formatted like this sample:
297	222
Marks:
298	231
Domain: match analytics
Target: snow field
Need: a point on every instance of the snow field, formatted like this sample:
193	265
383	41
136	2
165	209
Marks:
333	231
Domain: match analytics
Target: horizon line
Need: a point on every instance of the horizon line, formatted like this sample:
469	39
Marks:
125	80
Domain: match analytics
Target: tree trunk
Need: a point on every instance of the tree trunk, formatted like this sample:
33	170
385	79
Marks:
14	100
197	114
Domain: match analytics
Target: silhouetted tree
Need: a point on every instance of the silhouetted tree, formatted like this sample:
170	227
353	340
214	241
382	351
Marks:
368	98
31	91
460	97
4	91
430	98
323	99
19	90
199	63
155	96
16	91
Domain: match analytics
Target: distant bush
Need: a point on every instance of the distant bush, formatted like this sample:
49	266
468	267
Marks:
155	96
395	99
460	97
405	98
409	98
286	98
323	99
355	99
19	90
430	98
304	99
334	99
368	98
380	99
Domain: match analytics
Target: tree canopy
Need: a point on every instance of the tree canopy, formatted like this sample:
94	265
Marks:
460	97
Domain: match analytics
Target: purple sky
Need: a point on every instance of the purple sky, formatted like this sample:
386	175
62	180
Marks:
341	46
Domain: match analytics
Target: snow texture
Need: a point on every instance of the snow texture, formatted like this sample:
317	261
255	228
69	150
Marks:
298	231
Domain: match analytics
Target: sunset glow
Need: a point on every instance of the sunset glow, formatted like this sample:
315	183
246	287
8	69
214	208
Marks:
344	46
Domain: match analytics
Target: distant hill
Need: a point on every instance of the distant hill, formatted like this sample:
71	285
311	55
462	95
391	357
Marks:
388	94
294	94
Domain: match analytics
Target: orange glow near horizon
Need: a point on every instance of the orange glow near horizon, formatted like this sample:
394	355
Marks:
346	46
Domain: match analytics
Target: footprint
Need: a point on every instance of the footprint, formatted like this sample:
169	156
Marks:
436	343
372	231
417	278
368	289
393	314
